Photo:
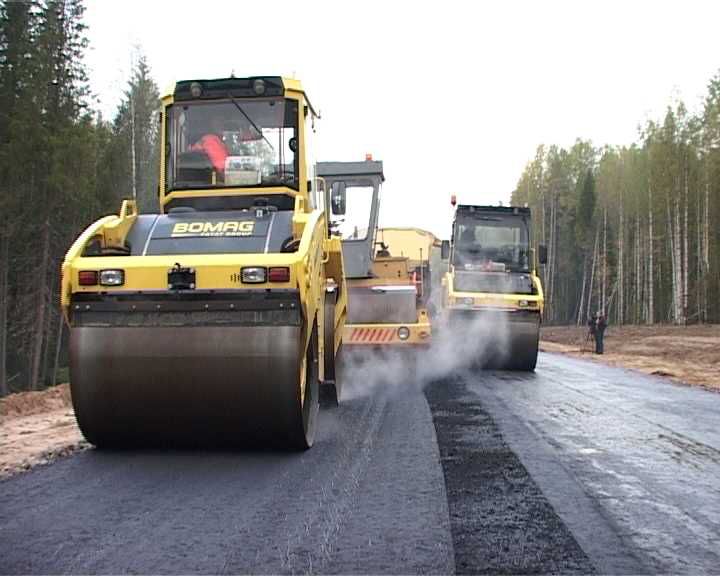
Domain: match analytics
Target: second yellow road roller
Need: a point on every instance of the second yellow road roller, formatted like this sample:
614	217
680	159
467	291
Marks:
492	298
213	321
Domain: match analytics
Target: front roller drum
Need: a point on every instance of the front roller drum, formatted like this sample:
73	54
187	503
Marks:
505	340
195	385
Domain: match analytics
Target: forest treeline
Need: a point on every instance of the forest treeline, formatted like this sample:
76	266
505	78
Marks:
61	166
632	231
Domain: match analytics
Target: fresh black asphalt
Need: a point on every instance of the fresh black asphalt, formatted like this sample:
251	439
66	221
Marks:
574	469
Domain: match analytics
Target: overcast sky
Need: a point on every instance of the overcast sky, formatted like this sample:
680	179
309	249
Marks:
454	97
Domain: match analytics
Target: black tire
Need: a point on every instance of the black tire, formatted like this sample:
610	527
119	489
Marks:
310	405
331	388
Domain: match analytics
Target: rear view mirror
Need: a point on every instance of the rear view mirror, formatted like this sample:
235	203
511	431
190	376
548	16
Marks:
337	198
445	250
542	254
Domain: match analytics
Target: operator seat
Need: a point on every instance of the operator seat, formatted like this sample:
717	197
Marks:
194	167
467	238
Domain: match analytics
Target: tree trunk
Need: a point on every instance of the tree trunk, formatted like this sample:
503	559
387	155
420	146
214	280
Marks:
58	347
553	253
4	292
39	331
132	143
671	241
580	315
685	267
678	264
638	273
47	345
650	272
621	261
545	242
706	247
698	258
592	271
604	265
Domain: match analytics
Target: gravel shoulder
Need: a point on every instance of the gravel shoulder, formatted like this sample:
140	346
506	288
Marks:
36	428
686	354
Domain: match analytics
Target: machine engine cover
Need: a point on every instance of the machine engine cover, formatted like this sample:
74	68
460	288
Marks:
382	304
218	232
493	282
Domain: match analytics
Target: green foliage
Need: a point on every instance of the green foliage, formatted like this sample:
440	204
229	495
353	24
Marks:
61	167
586	208
657	259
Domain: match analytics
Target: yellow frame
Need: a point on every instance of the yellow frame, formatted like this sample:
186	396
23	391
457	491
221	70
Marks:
317	259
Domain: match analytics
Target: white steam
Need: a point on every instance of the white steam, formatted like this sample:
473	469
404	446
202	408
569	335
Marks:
479	340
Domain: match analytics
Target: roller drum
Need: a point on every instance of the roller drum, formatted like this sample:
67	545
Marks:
200	385
523	340
507	340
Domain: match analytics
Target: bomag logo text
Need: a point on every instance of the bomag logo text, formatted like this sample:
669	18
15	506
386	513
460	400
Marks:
222	228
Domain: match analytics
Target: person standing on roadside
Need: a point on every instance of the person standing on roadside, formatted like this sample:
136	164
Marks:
600	325
592	323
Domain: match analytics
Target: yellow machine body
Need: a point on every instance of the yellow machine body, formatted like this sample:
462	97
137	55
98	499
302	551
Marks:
402	259
386	291
214	321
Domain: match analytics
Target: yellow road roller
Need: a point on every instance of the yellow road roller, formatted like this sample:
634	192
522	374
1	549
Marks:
387	291
492	298
212	322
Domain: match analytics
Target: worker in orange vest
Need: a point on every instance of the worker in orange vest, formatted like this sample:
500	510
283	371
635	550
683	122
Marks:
213	145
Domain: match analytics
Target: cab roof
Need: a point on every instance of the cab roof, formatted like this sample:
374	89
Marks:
366	168
237	87
470	209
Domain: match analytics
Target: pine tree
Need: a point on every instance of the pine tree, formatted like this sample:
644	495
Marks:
17	26
137	138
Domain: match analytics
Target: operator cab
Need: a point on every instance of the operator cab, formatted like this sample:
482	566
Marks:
233	138
354	199
491	241
491	250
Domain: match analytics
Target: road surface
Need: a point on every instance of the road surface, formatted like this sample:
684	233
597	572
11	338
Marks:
575	469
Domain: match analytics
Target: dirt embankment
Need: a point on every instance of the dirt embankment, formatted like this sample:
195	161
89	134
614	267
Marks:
687	354
36	427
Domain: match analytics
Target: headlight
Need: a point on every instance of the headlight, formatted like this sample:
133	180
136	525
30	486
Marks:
195	89
112	277
468	302
253	275
259	86
403	333
523	303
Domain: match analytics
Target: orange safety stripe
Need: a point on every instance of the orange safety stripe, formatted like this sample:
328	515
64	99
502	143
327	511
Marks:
372	335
